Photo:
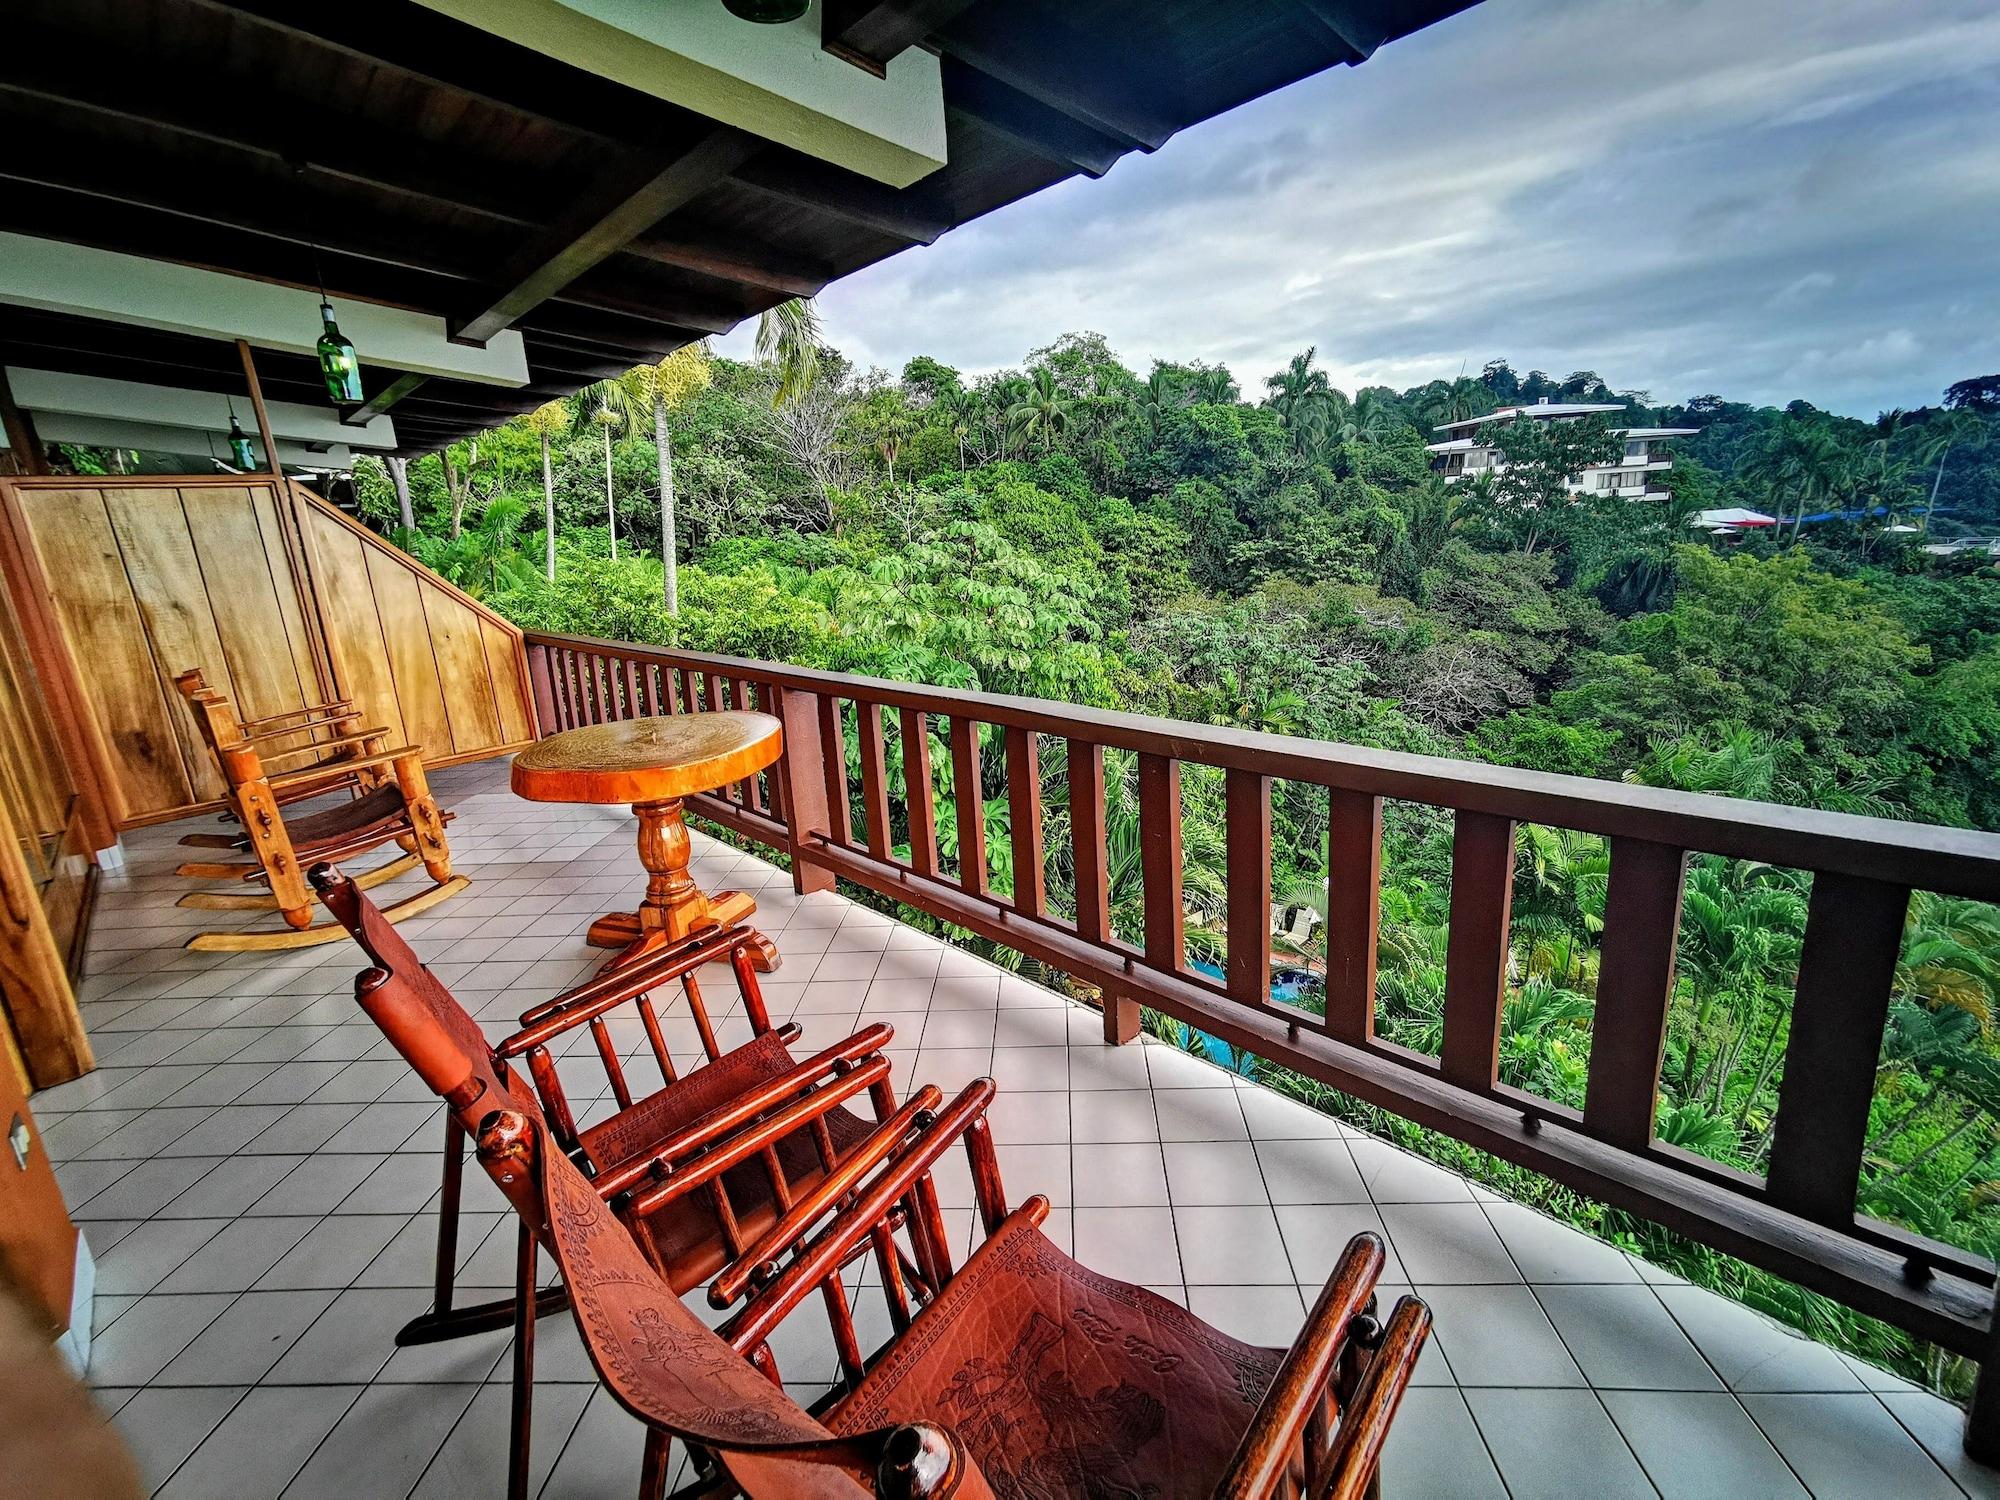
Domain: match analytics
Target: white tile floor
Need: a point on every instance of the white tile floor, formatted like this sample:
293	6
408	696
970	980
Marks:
257	1174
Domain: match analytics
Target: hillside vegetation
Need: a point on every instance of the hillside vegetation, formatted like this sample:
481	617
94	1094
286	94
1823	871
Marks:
1280	557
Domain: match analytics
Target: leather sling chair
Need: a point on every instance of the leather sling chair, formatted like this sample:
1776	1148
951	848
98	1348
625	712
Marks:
1026	1371
700	1167
394	806
676	1375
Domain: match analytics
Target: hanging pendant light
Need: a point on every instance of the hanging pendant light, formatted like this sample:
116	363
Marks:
239	443
339	365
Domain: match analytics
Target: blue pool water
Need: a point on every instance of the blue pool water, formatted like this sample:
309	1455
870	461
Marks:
1286	984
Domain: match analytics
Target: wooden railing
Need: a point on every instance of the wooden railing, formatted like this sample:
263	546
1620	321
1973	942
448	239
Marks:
1799	1221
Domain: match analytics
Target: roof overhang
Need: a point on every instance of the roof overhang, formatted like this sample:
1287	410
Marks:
48	392
56	277
499	225
775	82
153	437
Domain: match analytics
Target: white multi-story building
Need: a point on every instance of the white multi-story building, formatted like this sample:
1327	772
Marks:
1633	476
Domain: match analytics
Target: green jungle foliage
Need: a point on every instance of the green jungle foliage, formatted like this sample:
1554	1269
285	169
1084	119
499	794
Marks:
1283	559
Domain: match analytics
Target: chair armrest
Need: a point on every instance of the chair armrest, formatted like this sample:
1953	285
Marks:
837	1063
1356	1455
889	1138
1271	1445
626	982
827	1251
753	1137
358	763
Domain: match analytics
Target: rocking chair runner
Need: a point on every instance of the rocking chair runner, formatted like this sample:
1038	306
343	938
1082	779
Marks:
392	803
699	1168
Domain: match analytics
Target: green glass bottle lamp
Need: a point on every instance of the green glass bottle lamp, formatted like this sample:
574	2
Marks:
338	363
239	446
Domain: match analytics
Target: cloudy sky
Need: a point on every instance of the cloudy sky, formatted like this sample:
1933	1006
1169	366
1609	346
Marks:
1761	198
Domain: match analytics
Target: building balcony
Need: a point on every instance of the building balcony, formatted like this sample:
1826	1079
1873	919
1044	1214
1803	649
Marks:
258	1175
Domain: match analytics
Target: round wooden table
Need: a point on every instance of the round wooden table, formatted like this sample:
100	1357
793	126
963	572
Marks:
653	765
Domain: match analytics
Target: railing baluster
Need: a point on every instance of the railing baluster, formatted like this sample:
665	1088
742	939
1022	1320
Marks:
1475	962
749	791
566	687
1247	826
1353	913
690	699
1086	836
968	805
833	751
1093	876
632	709
874	777
1160	860
768	701
804	780
543	687
1854	934
917	791
1024	821
1635	985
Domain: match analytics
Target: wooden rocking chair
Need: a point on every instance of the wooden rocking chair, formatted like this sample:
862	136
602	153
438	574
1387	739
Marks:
702	1169
1024	1367
391	802
334	731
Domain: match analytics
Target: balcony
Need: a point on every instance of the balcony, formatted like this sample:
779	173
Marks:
258	1177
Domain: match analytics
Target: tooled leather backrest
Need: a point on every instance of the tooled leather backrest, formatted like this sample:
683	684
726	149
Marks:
417	1014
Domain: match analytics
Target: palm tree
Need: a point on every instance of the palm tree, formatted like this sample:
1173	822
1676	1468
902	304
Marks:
657	389
958	409
788	340
606	405
1043	411
1800	460
1936	440
546	423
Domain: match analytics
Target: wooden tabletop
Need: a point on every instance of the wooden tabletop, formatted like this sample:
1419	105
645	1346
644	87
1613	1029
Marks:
648	760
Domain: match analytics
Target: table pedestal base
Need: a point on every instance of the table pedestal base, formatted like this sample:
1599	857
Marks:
627	929
674	906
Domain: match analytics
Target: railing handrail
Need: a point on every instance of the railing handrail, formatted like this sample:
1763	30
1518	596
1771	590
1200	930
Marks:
1951	861
1801	1219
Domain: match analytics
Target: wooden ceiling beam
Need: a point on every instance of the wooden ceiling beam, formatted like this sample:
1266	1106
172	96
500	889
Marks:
467	64
1358	32
901	213
1130	94
266	125
766	273
872	33
1048	133
600	224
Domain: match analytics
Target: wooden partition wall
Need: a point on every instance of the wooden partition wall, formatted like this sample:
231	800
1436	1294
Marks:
278	598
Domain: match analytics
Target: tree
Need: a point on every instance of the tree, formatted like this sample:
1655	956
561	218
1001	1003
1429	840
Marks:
1535	491
1936	440
608	406
547	422
788	340
659	388
467	478
1980	394
1043	411
1800	459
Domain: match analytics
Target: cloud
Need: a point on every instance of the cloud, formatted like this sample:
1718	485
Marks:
1769	200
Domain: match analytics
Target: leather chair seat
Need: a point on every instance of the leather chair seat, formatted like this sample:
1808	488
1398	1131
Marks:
1063	1382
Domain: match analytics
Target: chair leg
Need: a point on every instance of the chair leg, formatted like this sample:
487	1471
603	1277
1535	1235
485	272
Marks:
454	1186
524	1366
654	1466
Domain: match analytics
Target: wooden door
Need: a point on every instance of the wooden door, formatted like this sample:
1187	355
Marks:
45	873
37	1240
